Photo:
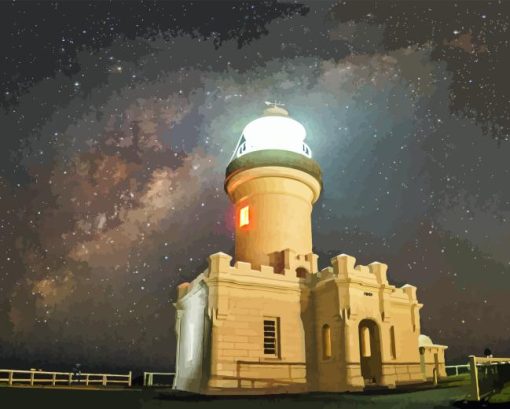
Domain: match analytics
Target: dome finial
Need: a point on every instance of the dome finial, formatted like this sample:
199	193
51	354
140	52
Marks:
275	109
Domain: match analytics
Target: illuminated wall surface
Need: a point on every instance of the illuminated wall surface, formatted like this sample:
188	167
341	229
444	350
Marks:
277	323
192	328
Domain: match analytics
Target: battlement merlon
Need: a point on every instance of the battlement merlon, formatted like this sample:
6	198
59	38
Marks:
219	262
410	291
182	289
380	271
292	260
186	288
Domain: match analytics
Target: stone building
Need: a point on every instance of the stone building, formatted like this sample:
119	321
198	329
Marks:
269	320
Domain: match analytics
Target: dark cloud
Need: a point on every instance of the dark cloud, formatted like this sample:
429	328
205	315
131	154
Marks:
111	181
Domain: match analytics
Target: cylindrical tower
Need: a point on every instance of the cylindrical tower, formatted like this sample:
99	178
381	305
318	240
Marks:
273	182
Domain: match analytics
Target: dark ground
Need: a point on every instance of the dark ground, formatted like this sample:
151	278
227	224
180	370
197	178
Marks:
442	397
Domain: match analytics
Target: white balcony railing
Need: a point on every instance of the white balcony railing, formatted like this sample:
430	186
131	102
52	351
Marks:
303	149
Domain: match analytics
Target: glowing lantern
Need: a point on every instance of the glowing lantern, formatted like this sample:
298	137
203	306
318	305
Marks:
274	130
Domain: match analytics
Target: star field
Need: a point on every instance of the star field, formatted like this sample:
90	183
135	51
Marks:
119	119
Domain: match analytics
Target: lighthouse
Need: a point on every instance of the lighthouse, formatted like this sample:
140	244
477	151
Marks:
273	183
266	319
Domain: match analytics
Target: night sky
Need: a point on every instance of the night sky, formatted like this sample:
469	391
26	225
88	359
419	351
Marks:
118	120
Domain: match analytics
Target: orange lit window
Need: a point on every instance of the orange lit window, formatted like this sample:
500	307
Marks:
244	216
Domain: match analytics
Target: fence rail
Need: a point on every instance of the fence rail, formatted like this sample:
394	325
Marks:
456	368
34	377
148	377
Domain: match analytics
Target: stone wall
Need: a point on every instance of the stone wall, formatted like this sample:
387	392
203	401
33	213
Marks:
239	299
429	362
347	295
344	296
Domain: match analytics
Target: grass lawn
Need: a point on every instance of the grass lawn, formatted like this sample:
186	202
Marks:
452	381
503	396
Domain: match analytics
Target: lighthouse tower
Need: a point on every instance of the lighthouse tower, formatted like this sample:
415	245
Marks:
273	182
267	320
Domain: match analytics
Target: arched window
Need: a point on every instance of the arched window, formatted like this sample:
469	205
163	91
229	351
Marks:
365	342
326	341
393	343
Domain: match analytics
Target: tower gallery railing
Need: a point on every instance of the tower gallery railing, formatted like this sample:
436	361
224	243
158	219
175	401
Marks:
303	148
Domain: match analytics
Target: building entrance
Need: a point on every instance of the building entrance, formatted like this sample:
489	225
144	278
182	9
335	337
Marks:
370	352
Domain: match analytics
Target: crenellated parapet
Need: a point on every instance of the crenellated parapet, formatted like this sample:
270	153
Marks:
300	268
292	268
372	284
344	267
288	268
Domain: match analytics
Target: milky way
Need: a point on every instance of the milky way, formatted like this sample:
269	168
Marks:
119	119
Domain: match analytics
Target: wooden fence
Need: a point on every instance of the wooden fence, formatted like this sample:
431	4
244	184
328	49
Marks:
148	378
456	369
487	374
35	377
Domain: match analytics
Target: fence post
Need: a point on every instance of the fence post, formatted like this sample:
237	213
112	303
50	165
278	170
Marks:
54	379
456	371
70	378
87	380
475	390
104	380
31	378
129	379
11	376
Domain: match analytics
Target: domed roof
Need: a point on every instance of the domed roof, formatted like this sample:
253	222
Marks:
275	110
424	340
274	130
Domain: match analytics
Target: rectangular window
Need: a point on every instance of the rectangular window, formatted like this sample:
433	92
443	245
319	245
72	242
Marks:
271	337
244	216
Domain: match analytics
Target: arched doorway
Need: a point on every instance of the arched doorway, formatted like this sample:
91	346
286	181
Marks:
370	352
